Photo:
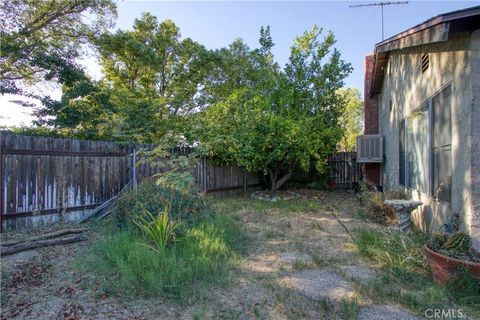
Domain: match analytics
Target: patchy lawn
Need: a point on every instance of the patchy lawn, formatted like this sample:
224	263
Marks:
298	262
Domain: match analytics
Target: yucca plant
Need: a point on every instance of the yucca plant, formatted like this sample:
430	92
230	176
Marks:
160	230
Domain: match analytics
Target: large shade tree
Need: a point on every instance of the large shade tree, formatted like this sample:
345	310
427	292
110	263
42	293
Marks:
152	81
41	40
272	120
154	76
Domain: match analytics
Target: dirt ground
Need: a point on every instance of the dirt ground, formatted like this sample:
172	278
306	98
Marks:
301	265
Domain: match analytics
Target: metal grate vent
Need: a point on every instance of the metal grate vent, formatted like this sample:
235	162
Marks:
425	62
370	148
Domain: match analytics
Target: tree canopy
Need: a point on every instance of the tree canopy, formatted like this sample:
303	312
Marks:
274	120
41	40
235	103
351	118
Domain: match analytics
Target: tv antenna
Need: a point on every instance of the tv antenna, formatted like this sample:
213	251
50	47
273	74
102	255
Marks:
381	4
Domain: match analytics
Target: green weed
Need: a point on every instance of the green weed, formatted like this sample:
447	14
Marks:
160	230
349	309
406	279
187	208
204	258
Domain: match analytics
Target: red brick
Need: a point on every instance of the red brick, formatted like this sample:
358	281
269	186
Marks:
371	170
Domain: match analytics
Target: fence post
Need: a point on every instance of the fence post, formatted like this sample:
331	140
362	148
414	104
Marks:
204	175
245	180
134	167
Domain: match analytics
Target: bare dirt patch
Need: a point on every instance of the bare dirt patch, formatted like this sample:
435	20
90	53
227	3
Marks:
380	312
296	239
319	285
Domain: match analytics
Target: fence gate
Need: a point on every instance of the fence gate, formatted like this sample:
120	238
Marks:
344	169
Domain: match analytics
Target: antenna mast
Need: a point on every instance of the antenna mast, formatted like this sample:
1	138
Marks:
381	4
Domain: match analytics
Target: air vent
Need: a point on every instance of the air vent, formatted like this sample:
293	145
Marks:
425	62
370	148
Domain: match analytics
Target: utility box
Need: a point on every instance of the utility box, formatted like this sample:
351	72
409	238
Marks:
370	148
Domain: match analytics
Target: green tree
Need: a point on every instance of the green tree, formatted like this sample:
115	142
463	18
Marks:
40	39
85	110
352	118
154	76
271	120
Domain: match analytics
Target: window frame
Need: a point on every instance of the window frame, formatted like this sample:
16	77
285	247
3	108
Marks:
406	176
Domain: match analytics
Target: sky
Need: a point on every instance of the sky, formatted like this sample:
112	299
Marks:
216	24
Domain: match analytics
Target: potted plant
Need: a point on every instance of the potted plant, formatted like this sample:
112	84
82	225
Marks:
331	182
449	251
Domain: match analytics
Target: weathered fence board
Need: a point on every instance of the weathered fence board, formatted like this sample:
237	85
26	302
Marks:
41	176
343	169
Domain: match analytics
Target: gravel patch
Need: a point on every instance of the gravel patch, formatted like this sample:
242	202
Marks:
362	274
382	312
320	284
280	195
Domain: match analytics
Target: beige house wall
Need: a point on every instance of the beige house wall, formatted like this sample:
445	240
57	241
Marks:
452	62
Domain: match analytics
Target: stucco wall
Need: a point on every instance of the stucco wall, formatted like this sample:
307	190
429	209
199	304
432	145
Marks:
475	136
408	88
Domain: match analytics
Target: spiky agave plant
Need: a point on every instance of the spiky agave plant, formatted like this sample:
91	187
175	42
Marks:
458	241
160	229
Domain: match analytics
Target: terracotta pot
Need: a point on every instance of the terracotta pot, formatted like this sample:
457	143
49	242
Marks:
445	268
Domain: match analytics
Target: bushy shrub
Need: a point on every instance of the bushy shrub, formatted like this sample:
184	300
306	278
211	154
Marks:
405	277
183	207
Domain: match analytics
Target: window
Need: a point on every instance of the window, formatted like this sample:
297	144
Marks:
401	150
418	136
442	144
426	152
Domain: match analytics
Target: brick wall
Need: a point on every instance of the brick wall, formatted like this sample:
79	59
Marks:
371	102
371	170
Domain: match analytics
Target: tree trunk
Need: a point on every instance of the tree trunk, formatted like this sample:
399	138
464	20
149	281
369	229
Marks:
285	178
274	175
273	178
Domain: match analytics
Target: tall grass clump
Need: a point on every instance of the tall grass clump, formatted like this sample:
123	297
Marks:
207	252
167	244
405	277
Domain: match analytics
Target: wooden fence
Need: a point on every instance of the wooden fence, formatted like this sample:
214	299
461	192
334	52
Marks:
46	179
344	169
